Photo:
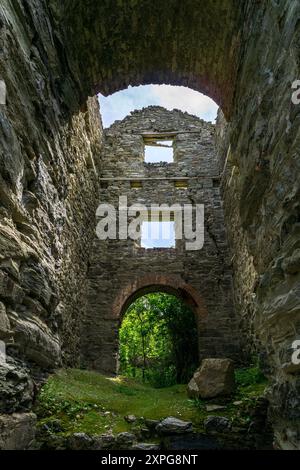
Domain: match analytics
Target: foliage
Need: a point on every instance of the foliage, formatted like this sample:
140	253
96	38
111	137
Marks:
158	340
249	376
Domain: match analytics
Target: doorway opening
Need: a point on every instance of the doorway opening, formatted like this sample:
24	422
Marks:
158	341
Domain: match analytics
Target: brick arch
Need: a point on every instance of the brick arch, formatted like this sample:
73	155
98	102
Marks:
174	285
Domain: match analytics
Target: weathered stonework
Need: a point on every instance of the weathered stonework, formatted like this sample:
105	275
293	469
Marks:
261	190
114	44
17	431
203	277
53	55
47	186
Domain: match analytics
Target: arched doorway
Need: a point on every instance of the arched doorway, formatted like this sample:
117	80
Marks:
158	340
171	285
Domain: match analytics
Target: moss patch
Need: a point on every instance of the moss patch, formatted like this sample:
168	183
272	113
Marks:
83	401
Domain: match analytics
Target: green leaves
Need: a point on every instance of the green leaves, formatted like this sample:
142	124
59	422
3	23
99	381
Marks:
158	340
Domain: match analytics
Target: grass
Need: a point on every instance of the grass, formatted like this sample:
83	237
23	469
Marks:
83	401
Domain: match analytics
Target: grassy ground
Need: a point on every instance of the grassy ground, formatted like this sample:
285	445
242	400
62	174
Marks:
82	401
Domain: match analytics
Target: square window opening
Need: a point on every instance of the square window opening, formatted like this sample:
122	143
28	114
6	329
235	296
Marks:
159	151
158	234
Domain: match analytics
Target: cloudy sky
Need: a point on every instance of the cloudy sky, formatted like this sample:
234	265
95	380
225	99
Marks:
120	104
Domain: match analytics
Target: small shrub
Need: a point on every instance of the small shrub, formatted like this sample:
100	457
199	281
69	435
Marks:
162	376
249	376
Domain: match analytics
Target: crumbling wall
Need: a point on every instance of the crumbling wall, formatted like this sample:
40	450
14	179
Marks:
116	263
47	187
261	193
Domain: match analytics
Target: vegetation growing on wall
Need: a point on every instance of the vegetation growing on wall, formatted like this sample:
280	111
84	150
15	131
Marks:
158	340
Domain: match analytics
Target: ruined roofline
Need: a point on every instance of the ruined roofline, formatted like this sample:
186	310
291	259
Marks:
147	112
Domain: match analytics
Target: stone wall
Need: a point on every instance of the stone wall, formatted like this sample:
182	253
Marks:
243	54
47	186
121	268
261	193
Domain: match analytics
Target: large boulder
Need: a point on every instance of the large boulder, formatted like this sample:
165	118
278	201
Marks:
215	377
192	388
173	426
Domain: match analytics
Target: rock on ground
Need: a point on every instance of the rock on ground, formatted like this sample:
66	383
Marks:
217	424
146	446
125	440
215	377
80	441
130	418
174	426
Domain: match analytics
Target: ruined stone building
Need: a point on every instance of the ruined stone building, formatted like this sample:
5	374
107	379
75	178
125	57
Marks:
62	290
121	270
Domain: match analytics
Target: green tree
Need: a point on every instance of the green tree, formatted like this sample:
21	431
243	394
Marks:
158	340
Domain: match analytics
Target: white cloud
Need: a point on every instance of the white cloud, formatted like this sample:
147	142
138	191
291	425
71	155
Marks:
178	97
120	104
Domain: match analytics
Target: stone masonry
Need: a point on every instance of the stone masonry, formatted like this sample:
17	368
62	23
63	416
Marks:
48	159
54	56
121	270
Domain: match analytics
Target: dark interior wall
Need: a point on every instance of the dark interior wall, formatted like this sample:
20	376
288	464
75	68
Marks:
261	191
114	44
48	159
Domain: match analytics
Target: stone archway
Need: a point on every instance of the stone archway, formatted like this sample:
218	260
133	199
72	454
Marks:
102	352
117	44
168	284
173	285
